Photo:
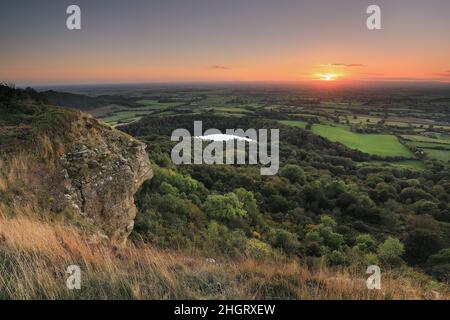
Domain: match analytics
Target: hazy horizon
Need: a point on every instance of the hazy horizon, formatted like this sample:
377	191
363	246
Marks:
244	84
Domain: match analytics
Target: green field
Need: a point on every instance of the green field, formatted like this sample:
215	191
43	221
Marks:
361	119
127	115
300	124
123	117
442	139
413	164
153	104
429	145
397	124
443	155
388	120
376	144
231	109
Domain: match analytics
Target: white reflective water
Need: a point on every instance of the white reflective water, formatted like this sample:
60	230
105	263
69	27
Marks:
222	137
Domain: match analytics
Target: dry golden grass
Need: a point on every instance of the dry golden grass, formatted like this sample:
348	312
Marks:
22	175
3	185
35	254
18	169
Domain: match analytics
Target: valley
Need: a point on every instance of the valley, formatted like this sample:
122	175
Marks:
385	122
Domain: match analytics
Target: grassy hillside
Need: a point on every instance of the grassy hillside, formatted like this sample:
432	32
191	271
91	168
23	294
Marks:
35	254
326	202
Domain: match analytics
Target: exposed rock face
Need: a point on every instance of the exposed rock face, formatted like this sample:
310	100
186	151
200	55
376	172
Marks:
103	168
59	161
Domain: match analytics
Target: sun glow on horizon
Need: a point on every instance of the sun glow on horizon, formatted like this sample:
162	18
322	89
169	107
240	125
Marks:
328	77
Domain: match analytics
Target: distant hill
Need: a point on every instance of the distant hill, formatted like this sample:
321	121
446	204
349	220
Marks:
83	102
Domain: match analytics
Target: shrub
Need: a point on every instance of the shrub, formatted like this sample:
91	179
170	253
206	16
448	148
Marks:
258	250
334	240
224	207
219	239
167	188
335	258
285	240
248	200
425	206
365	243
411	195
313	243
328	221
440	272
293	173
420	244
438	265
371	259
442	256
391	250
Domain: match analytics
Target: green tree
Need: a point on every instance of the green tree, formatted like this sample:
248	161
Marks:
442	256
384	192
293	173
285	240
425	207
219	239
420	244
438	265
328	221
413	194
224	207
391	250
248	200
258	250
335	257
323	239
365	243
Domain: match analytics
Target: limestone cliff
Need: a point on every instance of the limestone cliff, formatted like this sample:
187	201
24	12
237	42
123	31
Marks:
103	168
64	162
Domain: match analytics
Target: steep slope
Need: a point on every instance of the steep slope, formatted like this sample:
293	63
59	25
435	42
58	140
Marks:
66	162
33	254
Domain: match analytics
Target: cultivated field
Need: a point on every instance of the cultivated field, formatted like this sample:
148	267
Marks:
387	123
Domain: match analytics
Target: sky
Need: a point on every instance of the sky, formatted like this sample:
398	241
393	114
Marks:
143	41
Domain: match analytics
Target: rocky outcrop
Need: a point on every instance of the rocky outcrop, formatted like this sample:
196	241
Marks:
67	165
103	168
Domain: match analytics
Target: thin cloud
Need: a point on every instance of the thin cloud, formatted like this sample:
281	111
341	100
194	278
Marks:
220	67
373	74
406	79
345	65
443	74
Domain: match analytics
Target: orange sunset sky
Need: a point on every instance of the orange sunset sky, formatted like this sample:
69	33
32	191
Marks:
217	40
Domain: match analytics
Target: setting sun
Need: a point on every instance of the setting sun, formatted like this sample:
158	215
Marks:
328	77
